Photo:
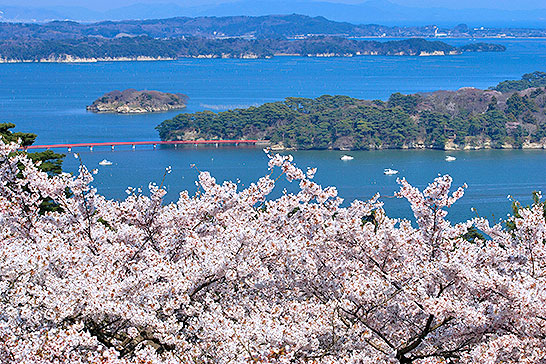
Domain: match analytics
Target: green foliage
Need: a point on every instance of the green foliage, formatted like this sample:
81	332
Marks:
301	123
493	104
472	234
435	126
528	80
8	136
494	123
408	103
48	161
482	47
517	206
518	105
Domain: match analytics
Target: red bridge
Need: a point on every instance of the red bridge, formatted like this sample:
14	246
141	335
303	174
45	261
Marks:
69	146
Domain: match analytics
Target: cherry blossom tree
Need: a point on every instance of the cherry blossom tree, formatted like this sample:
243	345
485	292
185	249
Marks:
229	275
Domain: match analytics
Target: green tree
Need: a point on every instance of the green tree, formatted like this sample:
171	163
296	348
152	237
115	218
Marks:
47	161
50	162
408	103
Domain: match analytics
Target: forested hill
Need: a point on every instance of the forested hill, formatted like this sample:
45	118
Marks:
146	48
464	119
269	26
535	79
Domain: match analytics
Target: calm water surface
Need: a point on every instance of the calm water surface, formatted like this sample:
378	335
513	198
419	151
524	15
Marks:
50	100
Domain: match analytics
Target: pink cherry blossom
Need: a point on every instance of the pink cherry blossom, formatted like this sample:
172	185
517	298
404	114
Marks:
230	275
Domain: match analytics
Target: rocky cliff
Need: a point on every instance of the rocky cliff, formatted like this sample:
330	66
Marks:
132	101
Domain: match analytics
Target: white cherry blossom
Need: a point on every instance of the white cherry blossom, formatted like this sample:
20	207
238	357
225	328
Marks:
229	275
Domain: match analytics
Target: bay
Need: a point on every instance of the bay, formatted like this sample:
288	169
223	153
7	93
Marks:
50	100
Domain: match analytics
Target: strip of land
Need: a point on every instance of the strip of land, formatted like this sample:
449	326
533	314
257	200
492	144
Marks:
145	48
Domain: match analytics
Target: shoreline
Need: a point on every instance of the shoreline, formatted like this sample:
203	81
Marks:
70	59
439	38
449	148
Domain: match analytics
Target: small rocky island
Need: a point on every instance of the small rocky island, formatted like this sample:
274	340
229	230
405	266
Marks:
132	101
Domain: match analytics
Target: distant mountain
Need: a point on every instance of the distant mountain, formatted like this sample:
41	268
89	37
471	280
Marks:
270	26
18	13
259	27
77	13
382	12
372	11
148	11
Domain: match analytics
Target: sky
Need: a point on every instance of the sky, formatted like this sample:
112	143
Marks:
473	4
458	4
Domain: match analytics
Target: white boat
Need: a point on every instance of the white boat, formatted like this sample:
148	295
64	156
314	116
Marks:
346	157
105	162
450	158
389	171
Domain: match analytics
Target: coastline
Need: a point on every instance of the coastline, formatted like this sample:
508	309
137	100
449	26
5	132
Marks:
440	38
450	147
71	59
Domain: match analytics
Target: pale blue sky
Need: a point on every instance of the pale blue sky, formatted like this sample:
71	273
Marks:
107	4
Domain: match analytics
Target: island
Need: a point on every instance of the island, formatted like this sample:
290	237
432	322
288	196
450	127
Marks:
467	118
132	101
145	48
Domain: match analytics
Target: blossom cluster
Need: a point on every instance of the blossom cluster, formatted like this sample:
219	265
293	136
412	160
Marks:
229	275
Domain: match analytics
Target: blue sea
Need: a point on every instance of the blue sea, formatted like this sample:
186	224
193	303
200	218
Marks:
50	100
